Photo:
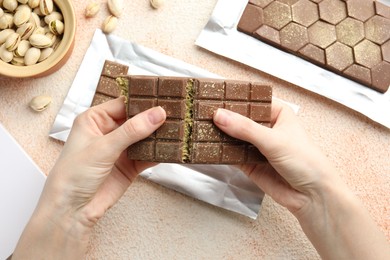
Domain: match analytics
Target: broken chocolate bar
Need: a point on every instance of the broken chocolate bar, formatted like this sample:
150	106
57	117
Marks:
189	134
350	38
108	88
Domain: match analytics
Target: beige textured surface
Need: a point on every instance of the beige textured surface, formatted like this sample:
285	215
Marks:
154	222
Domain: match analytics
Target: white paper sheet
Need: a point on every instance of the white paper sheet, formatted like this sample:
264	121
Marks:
220	35
21	184
220	185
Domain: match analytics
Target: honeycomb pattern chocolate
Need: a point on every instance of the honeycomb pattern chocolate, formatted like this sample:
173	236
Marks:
189	135
348	37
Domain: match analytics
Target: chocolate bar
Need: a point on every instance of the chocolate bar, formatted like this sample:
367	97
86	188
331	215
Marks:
189	134
350	38
108	88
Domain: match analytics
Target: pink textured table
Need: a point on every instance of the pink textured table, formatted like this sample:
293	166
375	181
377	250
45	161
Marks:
153	222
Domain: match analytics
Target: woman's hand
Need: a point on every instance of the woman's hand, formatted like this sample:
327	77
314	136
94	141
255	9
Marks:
299	177
90	176
295	167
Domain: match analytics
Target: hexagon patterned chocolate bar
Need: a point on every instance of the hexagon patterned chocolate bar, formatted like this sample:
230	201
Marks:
351	38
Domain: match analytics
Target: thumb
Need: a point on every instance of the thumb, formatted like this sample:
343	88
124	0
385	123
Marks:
242	127
135	129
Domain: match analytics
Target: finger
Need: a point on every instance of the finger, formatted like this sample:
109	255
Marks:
135	129
246	129
115	108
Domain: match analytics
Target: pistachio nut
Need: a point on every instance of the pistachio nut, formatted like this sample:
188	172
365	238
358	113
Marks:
6	21
37	10
53	16
110	24
12	42
25	31
34	19
56	43
23	46
32	56
46	6
115	7
40	103
45	53
23	2
17	61
22	16
5	55
10	5
56	27
156	3
40	41
92	9
33	3
4	35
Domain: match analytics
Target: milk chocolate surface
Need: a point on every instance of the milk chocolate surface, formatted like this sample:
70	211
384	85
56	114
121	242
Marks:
350	38
189	134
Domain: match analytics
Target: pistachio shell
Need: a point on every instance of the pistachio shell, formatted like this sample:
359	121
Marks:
46	6
6	21
34	19
56	27
92	9
56	43
37	10
23	1
110	24
33	3
45	53
1	11
40	41
22	16
53	16
115	7
39	30
40	103
12	42
23	46
25	31
156	3
17	61
10	5
4	35
5	55
32	56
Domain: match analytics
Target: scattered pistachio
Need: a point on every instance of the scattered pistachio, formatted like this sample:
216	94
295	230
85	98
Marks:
110	24
156	3
40	103
115	7
92	9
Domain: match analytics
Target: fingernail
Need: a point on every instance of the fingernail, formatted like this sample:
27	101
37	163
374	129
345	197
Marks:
221	117
157	115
